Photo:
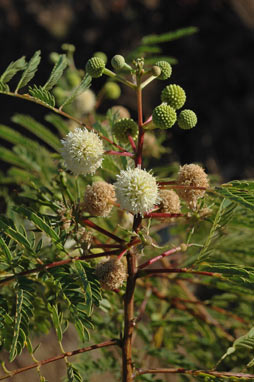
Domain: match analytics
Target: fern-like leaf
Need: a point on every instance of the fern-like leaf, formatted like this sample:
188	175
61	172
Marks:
240	191
30	70
56	73
84	84
12	69
42	94
73	374
4	87
169	36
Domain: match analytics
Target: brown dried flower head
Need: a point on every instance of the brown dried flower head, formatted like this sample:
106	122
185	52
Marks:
192	175
170	202
111	274
98	198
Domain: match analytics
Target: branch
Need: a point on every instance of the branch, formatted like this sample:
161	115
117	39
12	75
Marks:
101	230
194	373
147	272
122	154
160	215
61	356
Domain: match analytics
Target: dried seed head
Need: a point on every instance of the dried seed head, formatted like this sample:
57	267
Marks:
187	119
95	67
98	198
174	96
164	116
125	127
192	175
166	70
170	202
111	274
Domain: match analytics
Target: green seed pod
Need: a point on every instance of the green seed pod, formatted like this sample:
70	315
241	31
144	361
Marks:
187	119
164	116
112	90
174	96
95	67
101	55
124	127
166	70
118	62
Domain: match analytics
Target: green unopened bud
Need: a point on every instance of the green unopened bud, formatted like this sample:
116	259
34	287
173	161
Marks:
95	67
68	47
125	127
164	116
156	71
118	62
187	119
101	55
166	70
54	56
174	96
112	90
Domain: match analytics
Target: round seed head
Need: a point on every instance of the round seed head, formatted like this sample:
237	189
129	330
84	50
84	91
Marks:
191	175
136	190
111	274
118	62
112	90
95	67
82	151
174	96
164	116
166	70
187	119
170	202
125	127
98	198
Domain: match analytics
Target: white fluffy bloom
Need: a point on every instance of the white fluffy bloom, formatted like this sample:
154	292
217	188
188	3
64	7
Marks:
136	190
82	151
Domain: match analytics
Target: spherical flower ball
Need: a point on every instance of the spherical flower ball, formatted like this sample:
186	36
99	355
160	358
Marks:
170	202
82	151
174	96
112	90
95	67
191	175
86	102
125	127
118	62
166	70
164	116
187	119
136	190
98	198
111	274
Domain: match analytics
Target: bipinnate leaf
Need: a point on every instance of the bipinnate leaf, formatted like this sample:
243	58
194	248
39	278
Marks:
9	229
73	374
30	70
169	36
42	94
12	69
56	318
58	123
84	84
56	73
37	129
6	251
240	191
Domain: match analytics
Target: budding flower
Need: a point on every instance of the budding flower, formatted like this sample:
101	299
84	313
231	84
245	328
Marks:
111	90
166	70
192	175
95	67
125	127
187	119
82	151
111	274
98	198
118	62
136	190
164	116
170	202
174	96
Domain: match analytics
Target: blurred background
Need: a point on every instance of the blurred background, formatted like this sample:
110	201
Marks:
215	65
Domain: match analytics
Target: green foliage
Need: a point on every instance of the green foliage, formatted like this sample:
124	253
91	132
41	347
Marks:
30	70
84	84
56	73
43	95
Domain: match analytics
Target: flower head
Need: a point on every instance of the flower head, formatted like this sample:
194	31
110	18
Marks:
82	151
187	119
166	70
95	67
170	202
164	116
98	198
136	190
174	96
124	127
111	274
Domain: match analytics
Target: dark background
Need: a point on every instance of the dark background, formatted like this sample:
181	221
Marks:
215	65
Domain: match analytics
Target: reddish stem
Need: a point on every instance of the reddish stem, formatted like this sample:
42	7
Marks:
181	370
133	145
147	272
162	215
123	154
138	160
101	230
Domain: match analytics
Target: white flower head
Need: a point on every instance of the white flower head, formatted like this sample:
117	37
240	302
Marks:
136	190
82	151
